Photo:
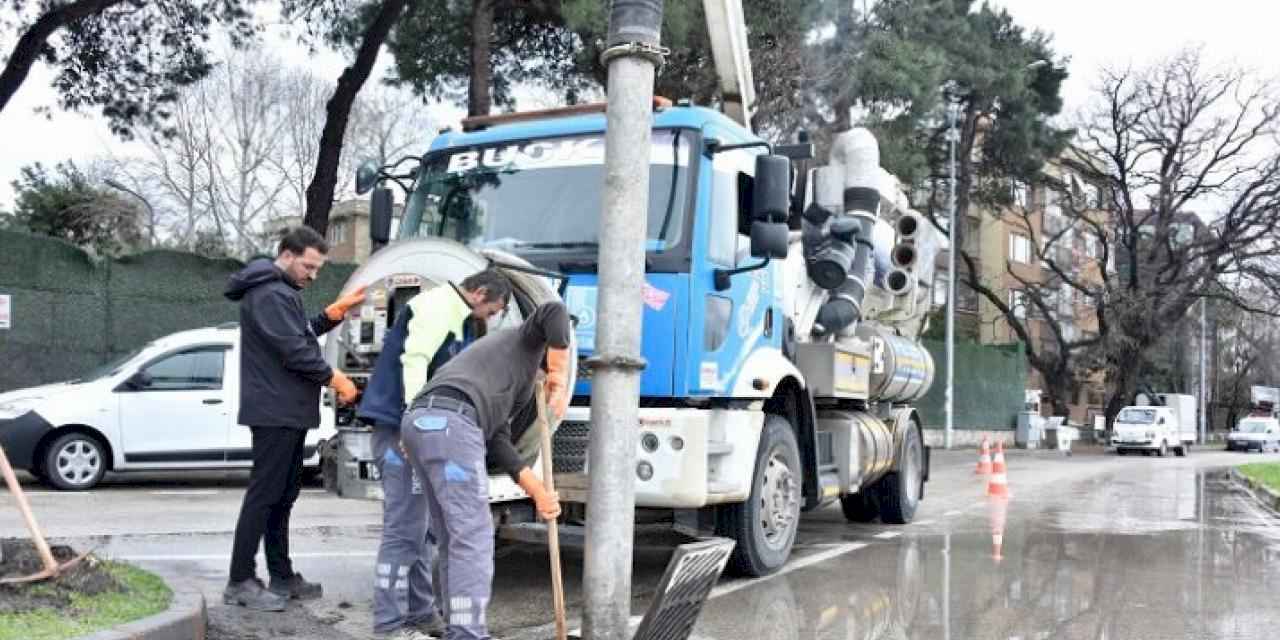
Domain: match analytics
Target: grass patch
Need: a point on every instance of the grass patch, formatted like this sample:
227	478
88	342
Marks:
144	594
1268	473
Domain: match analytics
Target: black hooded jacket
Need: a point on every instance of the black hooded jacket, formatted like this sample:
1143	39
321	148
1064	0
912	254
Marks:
496	374
281	366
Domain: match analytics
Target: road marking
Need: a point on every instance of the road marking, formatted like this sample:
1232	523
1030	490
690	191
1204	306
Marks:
794	565
925	523
953	513
887	535
185	492
226	556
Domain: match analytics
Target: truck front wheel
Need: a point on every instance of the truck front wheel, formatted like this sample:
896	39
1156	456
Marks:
765	525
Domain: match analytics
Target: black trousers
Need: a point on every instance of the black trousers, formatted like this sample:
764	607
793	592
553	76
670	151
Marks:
274	485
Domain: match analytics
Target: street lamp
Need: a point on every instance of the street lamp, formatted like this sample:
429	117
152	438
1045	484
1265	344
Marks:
151	212
953	137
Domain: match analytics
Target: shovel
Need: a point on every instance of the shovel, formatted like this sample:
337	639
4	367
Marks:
553	529
51	567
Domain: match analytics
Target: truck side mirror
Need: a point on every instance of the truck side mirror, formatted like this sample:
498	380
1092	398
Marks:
380	204
366	176
769	239
771	195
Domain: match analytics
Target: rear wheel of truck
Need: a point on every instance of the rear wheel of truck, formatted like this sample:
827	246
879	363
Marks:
1183	450
765	525
861	506
900	490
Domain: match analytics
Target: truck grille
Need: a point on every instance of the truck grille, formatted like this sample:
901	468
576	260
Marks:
569	447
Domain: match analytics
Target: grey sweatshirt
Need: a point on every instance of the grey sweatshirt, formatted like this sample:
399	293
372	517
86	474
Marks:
496	373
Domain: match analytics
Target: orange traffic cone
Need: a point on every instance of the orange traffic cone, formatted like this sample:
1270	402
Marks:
998	510
984	460
998	485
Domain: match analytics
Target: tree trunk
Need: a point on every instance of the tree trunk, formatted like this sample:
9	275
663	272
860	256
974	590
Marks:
480	92
338	111
33	40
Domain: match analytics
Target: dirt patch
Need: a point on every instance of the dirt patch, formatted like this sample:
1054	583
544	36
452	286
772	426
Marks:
20	558
306	622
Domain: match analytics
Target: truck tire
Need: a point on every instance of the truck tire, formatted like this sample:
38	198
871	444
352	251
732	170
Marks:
861	506
900	490
765	525
1164	449
1183	450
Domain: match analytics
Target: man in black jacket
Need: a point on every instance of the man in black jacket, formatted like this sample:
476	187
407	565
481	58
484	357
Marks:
281	373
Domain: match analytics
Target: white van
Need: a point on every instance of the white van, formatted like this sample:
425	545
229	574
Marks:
1156	428
169	405
1255	432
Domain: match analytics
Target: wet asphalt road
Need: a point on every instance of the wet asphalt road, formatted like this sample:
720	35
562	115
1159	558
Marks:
1092	547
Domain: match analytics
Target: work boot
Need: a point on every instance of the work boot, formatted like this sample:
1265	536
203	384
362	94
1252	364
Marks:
405	633
252	595
296	588
432	626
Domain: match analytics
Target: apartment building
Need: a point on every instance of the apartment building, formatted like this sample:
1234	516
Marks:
1012	249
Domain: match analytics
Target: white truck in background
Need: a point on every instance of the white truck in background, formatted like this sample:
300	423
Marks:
1260	429
1157	422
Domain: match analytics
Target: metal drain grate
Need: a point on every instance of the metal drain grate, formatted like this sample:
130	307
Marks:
690	576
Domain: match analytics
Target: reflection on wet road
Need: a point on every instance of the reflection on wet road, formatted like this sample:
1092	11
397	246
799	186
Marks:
1155	553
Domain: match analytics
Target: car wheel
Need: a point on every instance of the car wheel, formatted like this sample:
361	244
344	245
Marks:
765	525
75	462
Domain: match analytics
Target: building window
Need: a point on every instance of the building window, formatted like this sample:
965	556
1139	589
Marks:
1020	192
1019	248
1018	302
338	232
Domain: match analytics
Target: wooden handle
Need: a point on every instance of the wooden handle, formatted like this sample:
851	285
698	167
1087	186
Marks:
46	555
553	529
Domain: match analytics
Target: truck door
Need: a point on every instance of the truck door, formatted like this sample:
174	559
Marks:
725	325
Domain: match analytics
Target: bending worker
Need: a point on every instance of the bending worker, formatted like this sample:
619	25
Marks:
463	415
432	328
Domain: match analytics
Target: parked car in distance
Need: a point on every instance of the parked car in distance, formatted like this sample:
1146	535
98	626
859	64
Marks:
169	405
1255	432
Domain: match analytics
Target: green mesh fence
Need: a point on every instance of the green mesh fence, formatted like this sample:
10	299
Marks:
71	313
989	386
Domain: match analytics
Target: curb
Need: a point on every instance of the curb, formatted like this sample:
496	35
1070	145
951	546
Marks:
1260	492
185	619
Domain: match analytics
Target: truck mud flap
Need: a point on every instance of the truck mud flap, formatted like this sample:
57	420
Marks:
692	573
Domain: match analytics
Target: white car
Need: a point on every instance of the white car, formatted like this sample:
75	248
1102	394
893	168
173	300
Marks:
1259	433
171	404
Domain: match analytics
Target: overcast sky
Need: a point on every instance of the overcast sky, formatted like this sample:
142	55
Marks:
1090	32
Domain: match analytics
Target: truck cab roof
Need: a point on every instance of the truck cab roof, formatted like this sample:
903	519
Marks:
572	124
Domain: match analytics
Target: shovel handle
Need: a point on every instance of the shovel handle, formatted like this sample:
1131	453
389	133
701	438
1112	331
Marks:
11	479
553	529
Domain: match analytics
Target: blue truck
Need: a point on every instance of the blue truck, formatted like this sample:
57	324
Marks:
783	305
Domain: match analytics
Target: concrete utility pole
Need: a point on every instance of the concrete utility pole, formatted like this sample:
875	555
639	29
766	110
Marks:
953	137
633	53
1204	388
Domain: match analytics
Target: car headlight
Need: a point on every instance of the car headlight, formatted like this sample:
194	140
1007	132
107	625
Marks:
14	408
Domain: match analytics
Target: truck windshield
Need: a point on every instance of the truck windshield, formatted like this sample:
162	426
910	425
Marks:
1136	416
1253	426
542	195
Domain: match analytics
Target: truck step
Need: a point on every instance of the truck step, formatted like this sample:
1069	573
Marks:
719	448
719	487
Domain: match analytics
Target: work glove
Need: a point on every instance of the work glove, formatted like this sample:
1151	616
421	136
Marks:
557	385
344	387
338	310
545	502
